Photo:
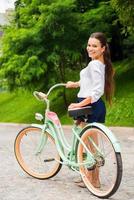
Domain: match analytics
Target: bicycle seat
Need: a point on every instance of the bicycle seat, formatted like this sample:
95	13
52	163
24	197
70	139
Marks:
77	112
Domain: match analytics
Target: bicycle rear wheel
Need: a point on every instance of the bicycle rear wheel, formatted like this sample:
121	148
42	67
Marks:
42	165
104	178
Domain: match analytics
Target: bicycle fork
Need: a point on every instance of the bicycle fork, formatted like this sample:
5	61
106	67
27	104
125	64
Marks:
42	139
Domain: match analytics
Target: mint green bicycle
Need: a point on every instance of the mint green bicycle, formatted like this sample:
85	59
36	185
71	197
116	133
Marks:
94	152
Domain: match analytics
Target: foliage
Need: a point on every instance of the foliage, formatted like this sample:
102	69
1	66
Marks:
49	37
84	5
44	41
122	111
125	10
128	45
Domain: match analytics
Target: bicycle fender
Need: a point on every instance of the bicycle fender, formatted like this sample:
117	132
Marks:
41	126
109	134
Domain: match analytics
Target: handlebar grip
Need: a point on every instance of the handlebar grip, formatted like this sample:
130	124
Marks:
40	95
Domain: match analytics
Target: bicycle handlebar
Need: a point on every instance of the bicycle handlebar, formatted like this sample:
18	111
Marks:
42	96
54	86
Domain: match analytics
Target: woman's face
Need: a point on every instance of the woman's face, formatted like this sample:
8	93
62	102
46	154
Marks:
94	49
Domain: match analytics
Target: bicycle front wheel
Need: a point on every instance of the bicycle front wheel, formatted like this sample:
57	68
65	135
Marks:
41	165
103	179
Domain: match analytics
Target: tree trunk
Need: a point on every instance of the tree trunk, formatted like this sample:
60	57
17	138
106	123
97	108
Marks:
62	77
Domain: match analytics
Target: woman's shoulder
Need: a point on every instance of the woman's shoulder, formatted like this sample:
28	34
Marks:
96	66
96	62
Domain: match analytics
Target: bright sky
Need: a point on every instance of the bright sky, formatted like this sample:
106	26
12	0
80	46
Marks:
5	4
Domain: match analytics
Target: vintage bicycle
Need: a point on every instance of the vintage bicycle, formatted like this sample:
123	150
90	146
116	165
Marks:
42	149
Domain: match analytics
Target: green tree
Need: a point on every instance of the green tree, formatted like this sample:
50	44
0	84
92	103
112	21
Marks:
42	45
48	38
125	10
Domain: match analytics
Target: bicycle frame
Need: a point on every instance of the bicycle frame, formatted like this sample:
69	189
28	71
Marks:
94	152
53	126
62	144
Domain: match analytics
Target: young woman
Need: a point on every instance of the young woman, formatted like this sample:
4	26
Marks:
95	80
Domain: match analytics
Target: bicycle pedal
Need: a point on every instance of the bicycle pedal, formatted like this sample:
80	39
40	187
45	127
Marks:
49	160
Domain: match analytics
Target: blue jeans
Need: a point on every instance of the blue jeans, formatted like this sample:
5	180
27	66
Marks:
98	112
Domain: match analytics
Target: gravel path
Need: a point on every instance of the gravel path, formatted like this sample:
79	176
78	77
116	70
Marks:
17	185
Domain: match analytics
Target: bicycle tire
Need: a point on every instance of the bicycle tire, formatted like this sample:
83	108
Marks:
97	186
42	166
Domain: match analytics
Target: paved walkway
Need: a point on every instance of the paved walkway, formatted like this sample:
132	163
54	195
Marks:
16	185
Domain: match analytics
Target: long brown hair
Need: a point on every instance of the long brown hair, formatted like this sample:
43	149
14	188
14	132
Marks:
109	71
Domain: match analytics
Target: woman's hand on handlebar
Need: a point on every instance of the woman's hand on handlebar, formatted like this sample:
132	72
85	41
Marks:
71	84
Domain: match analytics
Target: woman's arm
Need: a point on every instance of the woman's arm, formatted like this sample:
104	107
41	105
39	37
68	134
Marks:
85	102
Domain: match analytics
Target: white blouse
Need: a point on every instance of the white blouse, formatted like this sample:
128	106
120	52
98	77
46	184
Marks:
92	81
